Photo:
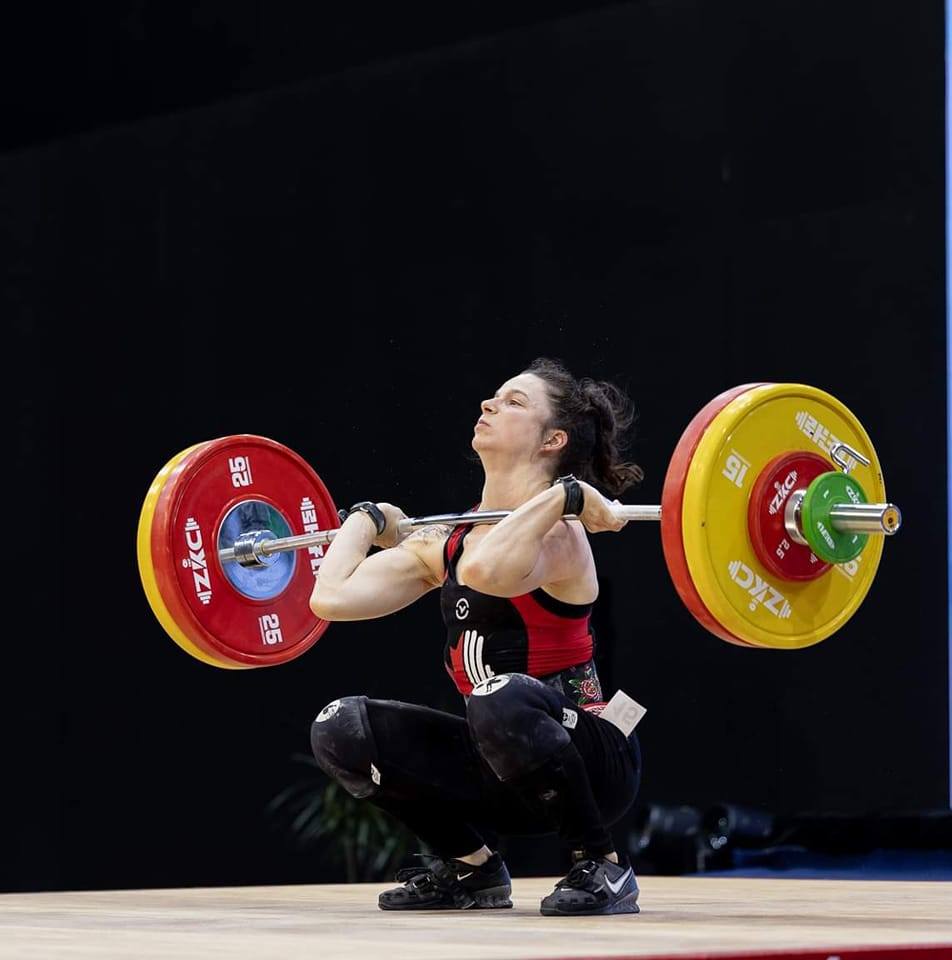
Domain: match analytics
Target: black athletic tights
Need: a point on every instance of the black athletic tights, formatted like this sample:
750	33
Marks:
435	781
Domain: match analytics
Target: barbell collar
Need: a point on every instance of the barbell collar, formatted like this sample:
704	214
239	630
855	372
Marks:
791	517
248	549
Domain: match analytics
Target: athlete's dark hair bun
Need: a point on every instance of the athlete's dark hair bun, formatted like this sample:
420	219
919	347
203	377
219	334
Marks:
598	417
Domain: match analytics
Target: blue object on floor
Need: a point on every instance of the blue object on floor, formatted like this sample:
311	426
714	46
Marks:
799	863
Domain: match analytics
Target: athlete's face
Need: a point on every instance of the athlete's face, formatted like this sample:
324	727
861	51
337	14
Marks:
514	417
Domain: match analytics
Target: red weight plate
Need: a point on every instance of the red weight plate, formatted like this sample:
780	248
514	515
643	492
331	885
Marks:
178	632
768	535
166	577
671	498
210	488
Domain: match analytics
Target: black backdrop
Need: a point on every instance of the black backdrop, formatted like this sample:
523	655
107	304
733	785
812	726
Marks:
672	196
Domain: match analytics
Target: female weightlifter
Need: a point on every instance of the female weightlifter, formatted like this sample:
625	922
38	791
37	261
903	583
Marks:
532	755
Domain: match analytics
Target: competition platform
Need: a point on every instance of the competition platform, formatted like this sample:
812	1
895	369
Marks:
681	917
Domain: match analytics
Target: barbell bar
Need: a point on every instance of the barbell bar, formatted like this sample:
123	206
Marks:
252	549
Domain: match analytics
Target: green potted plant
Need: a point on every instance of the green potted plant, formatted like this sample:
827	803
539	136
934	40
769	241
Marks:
317	812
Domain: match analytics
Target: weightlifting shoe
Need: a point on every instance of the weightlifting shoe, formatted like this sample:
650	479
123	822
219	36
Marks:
450	885
595	886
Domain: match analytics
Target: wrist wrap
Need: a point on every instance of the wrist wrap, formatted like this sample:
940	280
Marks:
371	509
574	497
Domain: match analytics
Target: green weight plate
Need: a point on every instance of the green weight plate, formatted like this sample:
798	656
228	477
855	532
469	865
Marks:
827	491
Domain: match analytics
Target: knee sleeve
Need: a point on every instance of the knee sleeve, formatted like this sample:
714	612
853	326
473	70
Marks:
516	723
343	745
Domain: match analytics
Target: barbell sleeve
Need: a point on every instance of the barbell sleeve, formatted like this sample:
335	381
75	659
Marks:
883	518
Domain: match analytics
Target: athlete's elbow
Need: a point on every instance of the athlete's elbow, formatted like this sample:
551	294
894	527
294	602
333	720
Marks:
479	576
493	580
325	605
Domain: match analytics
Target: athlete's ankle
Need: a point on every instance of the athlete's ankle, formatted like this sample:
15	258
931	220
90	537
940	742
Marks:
594	853
478	857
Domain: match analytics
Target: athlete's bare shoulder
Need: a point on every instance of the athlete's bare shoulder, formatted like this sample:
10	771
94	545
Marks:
427	545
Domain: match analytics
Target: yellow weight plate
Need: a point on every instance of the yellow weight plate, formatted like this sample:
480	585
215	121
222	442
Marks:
147	572
738	590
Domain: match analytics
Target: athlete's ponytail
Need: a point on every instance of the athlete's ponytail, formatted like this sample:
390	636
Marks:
597	416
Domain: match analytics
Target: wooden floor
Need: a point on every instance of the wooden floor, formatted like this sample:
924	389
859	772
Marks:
686	916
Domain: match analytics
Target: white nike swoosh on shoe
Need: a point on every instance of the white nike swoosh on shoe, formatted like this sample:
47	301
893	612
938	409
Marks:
615	887
463	876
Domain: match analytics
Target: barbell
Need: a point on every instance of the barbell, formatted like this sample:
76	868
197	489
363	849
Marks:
773	516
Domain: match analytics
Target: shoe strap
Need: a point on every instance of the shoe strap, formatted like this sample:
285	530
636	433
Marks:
439	876
580	876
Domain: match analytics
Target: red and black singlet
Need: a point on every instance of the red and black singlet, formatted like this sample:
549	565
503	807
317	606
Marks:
534	633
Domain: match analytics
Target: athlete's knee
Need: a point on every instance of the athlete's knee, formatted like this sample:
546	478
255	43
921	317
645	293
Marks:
505	698
343	746
516	723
